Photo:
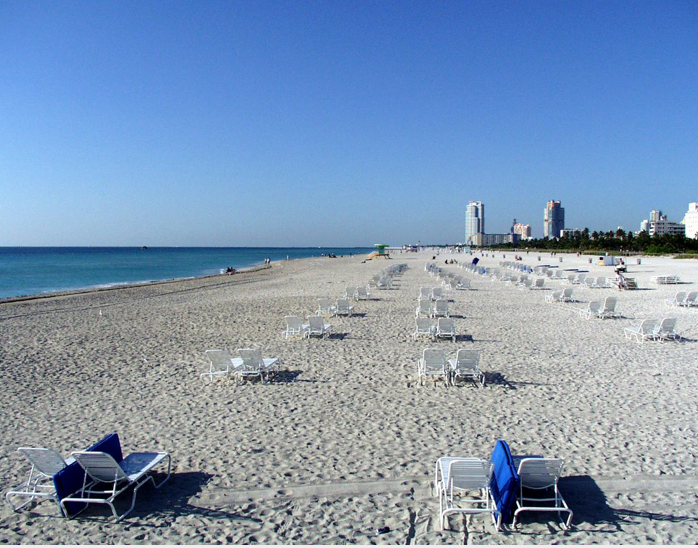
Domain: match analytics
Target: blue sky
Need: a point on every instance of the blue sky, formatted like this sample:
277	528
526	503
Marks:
340	123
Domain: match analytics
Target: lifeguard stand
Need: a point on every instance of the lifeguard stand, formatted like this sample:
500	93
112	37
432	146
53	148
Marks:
380	252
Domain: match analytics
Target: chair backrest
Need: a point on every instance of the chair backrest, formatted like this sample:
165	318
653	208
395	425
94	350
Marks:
469	474
343	304
691	298
446	325
540	282
436	293
434	360
424	306
680	297
467	359
540	473
441	306
350	292
590	282
251	359
220	360
361	292
100	466
424	325
609	304
424	293
294	323
666	326
581	277
317	323
600	281
648	326
556	295
46	461
567	293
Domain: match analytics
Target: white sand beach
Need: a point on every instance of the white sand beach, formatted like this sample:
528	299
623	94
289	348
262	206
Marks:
343	442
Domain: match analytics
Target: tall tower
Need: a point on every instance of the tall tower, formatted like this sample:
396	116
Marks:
553	219
474	220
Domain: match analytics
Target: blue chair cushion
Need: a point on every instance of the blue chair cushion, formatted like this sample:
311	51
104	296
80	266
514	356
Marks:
505	481
70	479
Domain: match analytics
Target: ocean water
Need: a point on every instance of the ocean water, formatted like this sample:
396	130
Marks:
38	270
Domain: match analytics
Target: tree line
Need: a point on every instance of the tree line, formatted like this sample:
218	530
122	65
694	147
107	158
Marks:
611	241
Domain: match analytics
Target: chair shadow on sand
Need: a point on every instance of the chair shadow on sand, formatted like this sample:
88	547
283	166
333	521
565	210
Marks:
498	379
174	499
592	513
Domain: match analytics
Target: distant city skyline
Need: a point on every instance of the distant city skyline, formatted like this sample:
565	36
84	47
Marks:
337	123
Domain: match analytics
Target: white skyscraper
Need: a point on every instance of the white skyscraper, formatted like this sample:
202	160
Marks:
474	220
553	220
690	221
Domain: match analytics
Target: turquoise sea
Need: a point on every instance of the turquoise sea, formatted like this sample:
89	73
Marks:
37	270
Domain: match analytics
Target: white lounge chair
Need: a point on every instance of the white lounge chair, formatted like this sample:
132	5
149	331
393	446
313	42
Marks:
317	327
362	294
325	308
102	470
45	463
436	293
554	297
294	326
343	307
538	491
463	284
221	364
678	299
350	293
252	364
425	326
600	309
433	365
665	330
440	308
466	366
691	299
463	487
446	329
424	293
423	308
643	332
539	284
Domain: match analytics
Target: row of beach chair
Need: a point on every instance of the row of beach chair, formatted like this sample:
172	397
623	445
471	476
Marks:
435	366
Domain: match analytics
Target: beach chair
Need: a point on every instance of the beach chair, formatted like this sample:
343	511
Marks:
590	282
325	308
446	329
294	326
465	366
462	485
600	309
105	478
579	278
317	327
538	489
665	330
567	295
221	364
45	463
440	308
343	307
643	332
526	283
678	299
252	364
425	326
362	294
433	365
554	297
691	299
423	308
463	284
601	283
436	293
424	293
350	293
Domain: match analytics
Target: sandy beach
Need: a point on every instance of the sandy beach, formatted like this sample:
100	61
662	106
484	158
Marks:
343	442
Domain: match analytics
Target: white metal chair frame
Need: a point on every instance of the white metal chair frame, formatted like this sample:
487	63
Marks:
454	478
45	463
432	364
101	468
466	365
540	476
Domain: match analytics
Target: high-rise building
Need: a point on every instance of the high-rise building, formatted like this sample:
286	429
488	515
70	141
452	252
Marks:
690	221
656	215
645	226
474	220
523	231
553	219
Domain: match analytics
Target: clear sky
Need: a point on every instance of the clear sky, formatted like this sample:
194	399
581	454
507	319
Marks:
264	123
